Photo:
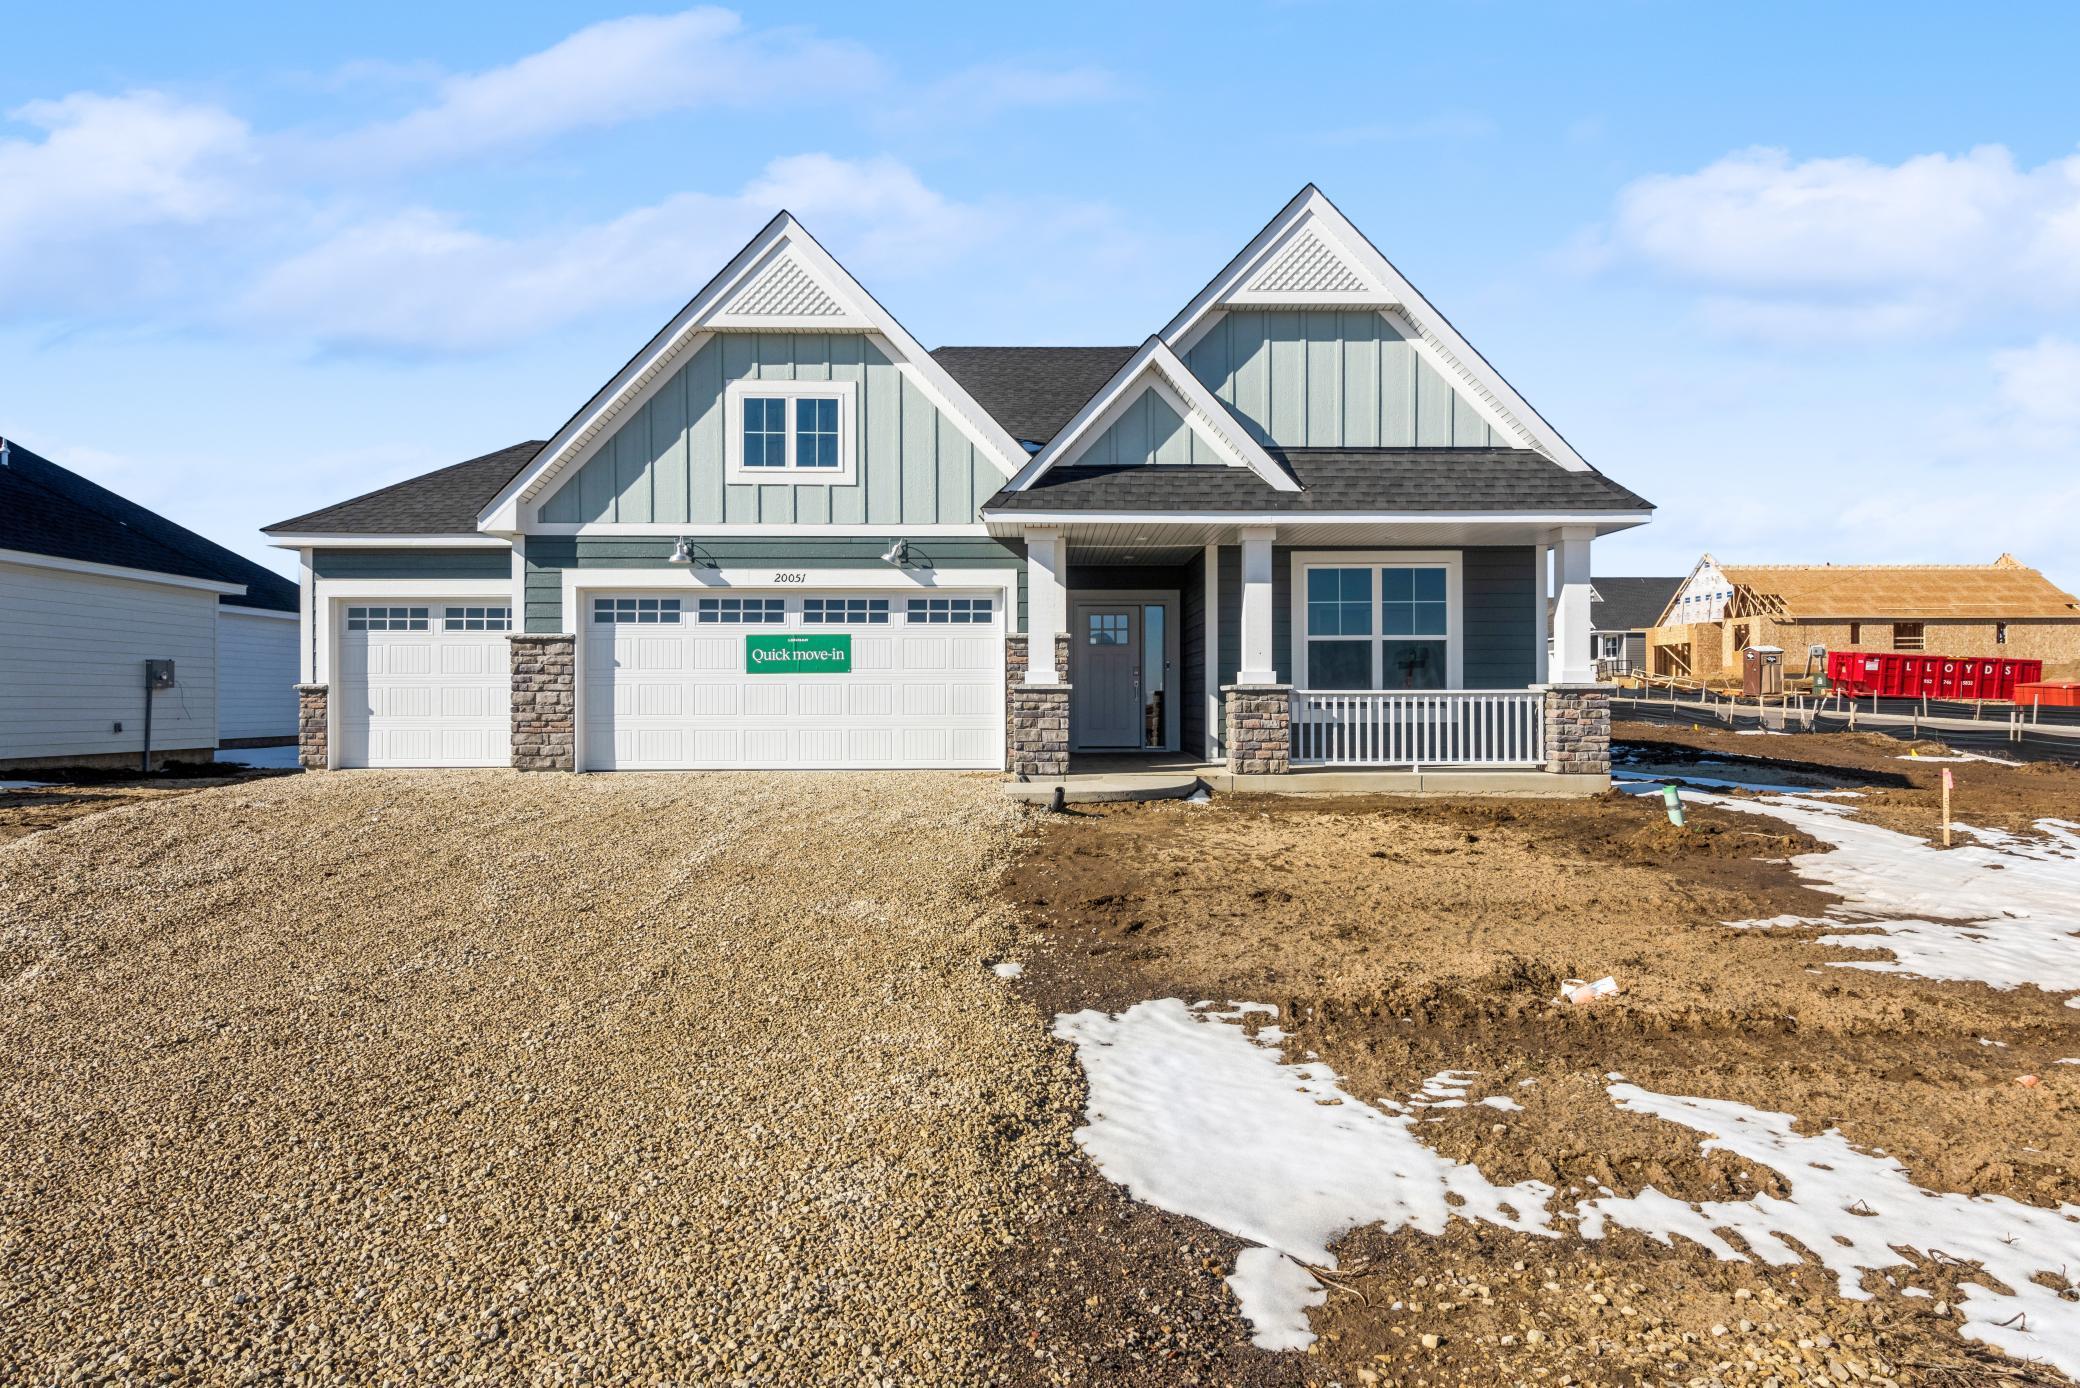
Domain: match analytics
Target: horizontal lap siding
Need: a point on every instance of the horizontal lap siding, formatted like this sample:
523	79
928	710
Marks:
666	463
256	676
549	555
72	653
1500	642
412	563
1333	379
1191	655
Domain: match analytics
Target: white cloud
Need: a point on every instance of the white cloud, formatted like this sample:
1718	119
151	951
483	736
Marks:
974	95
422	280
98	207
1854	248
617	71
2039	386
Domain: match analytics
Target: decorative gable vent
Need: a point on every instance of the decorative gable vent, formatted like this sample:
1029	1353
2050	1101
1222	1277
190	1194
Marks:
785	291
1308	266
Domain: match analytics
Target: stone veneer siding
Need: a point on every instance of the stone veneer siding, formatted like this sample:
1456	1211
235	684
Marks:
312	703
1578	729
545	702
1259	720
1036	718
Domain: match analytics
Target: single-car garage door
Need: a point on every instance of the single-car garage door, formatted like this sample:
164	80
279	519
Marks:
424	683
816	679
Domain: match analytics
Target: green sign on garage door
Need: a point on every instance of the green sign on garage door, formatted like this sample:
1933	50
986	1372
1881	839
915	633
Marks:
829	654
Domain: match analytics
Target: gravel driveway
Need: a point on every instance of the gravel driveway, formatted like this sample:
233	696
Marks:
482	1077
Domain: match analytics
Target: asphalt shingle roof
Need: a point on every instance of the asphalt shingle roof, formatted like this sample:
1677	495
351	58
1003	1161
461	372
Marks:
1630	604
1336	481
1032	391
444	502
46	509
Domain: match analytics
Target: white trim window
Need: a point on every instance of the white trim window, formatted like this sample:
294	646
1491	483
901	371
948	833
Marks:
1365	622
790	432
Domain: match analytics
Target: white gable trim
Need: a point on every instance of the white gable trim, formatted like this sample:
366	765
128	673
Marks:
1155	367
1278	268
782	281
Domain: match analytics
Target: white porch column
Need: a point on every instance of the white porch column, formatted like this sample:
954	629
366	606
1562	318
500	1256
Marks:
1541	568
1047	602
1257	665
1573	661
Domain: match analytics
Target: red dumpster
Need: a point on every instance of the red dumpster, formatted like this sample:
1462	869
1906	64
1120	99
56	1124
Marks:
1896	675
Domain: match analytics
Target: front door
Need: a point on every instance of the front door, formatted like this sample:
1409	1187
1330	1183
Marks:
1107	678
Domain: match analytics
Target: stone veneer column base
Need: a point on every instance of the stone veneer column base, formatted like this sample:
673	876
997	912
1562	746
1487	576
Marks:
312	736
1259	719
545	702
1036	716
1578	729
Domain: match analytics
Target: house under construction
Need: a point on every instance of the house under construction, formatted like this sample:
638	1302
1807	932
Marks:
2004	608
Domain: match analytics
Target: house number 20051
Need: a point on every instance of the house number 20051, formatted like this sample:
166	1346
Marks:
791	578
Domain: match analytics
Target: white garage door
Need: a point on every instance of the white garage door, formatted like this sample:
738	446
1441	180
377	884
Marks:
424	683
816	679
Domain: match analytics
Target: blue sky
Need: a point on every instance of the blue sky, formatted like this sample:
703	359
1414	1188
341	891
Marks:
1808	277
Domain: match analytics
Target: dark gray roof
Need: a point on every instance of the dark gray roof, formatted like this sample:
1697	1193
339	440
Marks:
445	502
1339	481
1630	604
46	509
1032	391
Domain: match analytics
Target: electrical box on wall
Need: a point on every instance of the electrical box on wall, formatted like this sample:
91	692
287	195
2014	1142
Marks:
158	674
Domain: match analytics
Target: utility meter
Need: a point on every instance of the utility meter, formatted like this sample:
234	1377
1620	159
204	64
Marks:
158	674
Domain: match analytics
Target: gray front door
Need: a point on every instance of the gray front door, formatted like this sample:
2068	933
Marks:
1107	695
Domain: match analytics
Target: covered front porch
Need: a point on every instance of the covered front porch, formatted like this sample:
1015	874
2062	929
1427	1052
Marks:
1407	646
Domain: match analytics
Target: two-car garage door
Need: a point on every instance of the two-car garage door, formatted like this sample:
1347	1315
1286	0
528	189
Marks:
792	679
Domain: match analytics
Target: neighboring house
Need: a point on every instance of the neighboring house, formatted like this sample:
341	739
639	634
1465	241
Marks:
91	587
785	535
2004	608
1620	611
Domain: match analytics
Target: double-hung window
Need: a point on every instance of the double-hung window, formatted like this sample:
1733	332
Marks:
1375	625
791	432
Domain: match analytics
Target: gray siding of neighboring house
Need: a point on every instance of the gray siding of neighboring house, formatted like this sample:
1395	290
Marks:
667	462
412	563
1333	379
549	555
1150	433
1498	647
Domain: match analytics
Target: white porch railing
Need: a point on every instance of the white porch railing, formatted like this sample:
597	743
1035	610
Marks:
1446	727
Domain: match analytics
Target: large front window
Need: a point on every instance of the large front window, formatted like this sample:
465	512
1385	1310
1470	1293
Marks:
1376	626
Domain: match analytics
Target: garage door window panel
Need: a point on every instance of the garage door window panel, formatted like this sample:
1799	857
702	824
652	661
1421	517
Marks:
741	611
844	612
477	619
388	618
939	611
636	611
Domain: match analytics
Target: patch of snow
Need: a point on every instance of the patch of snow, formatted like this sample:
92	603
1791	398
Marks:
24	785
1196	1118
1507	1105
1853	1212
2003	910
1201	796
1007	968
1959	756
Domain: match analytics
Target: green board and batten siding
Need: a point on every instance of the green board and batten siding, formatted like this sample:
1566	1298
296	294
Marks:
1319	379
666	463
1149	432
549	555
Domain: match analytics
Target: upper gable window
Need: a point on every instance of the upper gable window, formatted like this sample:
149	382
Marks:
792	432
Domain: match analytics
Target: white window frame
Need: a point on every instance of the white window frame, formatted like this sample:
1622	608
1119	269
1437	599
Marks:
846	393
1450	560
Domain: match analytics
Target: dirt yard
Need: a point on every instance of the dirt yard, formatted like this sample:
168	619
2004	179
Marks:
1398	940
44	800
472	1077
